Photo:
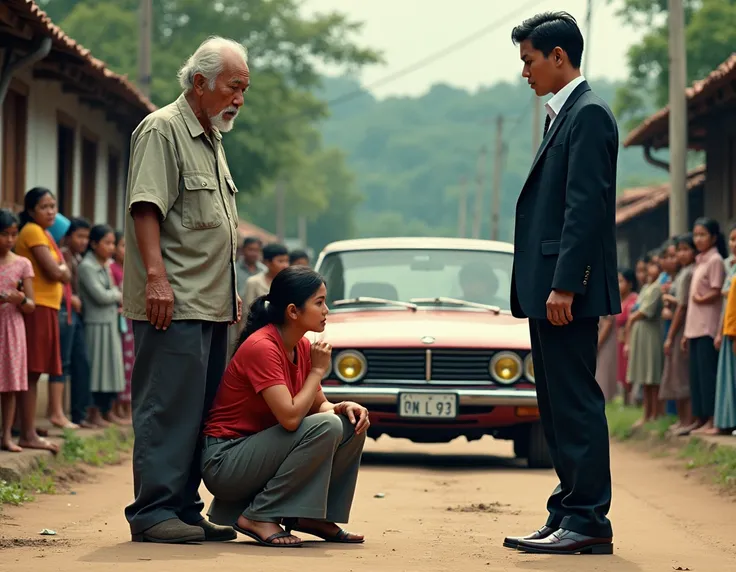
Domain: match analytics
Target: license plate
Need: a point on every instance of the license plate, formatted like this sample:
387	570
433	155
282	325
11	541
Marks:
428	405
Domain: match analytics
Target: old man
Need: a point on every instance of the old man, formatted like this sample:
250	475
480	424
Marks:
180	288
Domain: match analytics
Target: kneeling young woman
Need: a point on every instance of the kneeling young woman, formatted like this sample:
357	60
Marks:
275	450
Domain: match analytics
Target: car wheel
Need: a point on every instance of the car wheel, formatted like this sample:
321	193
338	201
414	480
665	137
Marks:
537	453
521	443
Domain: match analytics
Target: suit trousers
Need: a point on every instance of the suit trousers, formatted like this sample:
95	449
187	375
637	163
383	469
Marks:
572	409
175	378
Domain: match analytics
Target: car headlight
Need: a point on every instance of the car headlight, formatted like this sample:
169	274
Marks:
506	368
350	366
529	367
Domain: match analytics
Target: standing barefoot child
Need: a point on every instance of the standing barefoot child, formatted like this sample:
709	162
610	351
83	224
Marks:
645	344
101	301
16	299
122	404
703	320
676	375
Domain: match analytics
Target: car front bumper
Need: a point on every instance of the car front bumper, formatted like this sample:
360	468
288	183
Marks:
368	396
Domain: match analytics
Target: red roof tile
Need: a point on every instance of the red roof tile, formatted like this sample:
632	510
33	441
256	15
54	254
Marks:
119	84
249	229
646	199
658	123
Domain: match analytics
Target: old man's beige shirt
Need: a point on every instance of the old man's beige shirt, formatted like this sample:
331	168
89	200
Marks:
175	166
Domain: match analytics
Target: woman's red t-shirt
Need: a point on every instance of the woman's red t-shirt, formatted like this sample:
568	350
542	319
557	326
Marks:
259	363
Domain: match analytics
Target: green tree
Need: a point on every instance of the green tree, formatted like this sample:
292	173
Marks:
275	137
710	36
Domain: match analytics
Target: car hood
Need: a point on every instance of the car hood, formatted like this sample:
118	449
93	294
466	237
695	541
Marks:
406	329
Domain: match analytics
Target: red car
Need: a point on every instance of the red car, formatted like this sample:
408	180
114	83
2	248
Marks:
422	336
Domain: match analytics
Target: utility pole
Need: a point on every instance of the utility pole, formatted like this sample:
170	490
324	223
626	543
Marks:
462	213
302	232
145	21
497	166
589	35
479	179
280	210
678	119
536	125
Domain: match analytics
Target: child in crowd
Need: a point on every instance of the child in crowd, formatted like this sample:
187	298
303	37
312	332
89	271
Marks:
670	268
74	358
676	376
275	258
101	303
627	289
298	258
702	321
16	299
122	404
645	343
725	411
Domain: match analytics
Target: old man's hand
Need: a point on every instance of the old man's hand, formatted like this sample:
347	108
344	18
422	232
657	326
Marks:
240	308
159	302
559	307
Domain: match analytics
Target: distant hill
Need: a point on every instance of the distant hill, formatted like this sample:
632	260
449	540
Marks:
408	153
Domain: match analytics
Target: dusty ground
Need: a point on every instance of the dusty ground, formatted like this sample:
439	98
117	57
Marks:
445	507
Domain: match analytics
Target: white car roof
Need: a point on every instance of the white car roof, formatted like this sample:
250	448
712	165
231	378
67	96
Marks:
421	243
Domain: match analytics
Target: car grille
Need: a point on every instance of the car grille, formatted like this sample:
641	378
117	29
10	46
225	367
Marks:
411	365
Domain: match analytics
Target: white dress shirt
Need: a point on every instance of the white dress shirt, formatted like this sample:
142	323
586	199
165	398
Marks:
557	101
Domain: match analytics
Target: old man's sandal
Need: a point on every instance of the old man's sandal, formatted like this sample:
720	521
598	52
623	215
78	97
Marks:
270	540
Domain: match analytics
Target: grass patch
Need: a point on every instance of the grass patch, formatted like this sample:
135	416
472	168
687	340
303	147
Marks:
717	463
52	475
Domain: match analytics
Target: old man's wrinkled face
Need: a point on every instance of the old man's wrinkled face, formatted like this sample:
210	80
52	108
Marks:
223	102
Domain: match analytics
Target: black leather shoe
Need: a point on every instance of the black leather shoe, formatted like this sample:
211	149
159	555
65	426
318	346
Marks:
567	542
513	541
172	531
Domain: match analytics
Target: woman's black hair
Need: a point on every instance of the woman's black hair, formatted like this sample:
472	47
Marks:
119	235
293	285
76	223
714	229
7	219
629	275
97	233
30	201
646	259
686	239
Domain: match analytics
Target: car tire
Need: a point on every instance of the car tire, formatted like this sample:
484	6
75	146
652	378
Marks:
537	452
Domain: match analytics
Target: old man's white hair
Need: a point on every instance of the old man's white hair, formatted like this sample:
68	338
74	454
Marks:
208	60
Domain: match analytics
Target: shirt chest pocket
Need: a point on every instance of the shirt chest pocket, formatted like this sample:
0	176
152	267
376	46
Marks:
200	206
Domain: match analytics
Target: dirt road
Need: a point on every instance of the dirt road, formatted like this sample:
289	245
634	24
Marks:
445	507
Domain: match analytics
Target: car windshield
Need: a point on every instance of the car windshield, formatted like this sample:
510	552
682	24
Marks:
482	277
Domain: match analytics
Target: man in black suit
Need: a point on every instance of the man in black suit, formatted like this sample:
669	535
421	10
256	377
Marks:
565	278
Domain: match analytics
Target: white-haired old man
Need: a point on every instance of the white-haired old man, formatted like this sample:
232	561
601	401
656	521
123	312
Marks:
180	288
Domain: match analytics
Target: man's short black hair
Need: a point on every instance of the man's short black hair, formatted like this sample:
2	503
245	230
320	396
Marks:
271	251
76	223
248	240
297	254
548	30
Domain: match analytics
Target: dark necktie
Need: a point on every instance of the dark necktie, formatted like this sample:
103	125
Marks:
547	121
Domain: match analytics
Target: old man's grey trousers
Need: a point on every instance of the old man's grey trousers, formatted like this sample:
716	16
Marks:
175	378
309	473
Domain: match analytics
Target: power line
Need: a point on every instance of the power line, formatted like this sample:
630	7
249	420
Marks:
433	57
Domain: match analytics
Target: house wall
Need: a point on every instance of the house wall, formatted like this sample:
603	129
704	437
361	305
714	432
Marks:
45	100
720	187
640	235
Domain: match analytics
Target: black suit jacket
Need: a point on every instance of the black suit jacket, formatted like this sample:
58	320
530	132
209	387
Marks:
565	233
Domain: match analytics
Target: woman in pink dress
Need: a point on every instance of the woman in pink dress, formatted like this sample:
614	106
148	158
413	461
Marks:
16	299
626	285
122	408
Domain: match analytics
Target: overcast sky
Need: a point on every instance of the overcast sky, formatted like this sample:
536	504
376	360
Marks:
409	30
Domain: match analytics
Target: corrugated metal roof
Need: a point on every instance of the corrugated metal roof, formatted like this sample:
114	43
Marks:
658	123
40	21
644	199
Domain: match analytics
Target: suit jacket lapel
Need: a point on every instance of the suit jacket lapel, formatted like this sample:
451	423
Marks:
559	120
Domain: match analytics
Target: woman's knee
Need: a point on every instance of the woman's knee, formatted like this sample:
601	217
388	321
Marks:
327	424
